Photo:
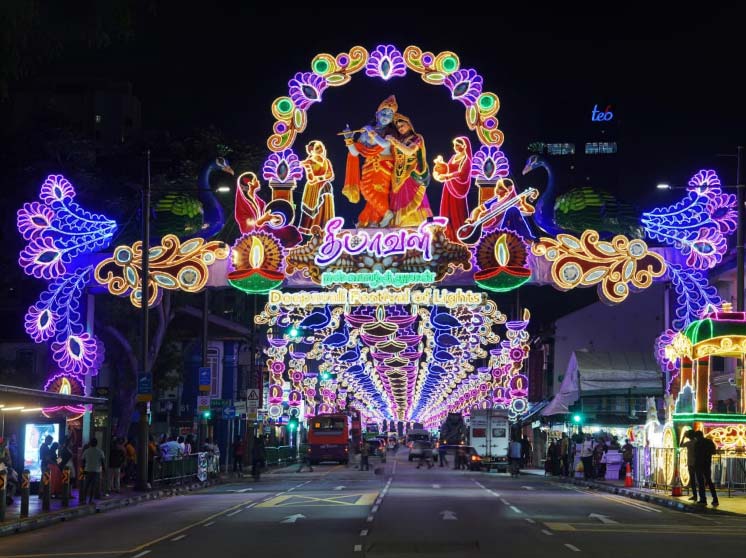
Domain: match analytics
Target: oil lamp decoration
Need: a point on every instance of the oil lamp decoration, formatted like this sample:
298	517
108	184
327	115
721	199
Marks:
67	384
258	262
501	257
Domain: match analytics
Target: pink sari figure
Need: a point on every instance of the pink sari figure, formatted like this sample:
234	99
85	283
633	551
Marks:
456	178
252	213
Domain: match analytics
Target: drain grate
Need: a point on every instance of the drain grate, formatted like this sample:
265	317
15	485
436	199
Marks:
424	547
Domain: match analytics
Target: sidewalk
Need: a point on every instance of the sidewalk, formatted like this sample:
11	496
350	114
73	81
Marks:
733	504
15	524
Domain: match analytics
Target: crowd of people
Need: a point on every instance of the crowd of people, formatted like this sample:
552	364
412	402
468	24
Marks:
591	450
699	452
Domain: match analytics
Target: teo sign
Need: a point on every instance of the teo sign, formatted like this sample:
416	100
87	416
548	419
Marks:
601	115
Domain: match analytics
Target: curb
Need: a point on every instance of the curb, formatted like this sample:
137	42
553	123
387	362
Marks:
651	498
43	520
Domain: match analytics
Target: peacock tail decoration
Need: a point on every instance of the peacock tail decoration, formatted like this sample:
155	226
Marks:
698	224
693	295
586	208
58	230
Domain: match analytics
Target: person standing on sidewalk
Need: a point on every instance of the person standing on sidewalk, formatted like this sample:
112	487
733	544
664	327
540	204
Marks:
93	465
364	451
704	449
689	444
238	448
117	458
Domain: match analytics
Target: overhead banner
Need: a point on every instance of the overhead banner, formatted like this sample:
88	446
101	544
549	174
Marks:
342	296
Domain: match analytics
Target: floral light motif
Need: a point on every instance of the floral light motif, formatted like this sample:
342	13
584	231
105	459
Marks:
306	88
386	62
67	384
489	163
465	86
282	167
336	70
612	265
59	230
172	266
696	225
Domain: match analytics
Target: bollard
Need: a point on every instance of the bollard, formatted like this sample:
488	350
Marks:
66	486
45	491
25	491
3	488
81	487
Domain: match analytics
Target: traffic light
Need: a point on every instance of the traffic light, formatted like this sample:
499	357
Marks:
207	415
293	424
577	418
325	375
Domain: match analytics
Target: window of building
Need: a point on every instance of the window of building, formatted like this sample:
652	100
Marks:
600	147
560	149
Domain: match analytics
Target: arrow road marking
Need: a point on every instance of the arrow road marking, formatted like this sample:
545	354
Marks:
293	518
605	519
448	515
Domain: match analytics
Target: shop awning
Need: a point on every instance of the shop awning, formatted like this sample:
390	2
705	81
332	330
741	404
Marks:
21	399
600	373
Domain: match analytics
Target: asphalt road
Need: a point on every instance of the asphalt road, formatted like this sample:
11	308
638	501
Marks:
396	512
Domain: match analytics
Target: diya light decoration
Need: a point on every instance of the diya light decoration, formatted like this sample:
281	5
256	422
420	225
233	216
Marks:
612	265
172	266
67	384
502	260
258	261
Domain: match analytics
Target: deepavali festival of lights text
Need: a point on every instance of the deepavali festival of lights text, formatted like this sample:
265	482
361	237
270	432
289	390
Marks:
437	297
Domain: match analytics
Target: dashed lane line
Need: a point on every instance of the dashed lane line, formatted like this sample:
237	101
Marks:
364	533
547	532
530	520
141	554
504	501
208	524
572	547
178	538
516	510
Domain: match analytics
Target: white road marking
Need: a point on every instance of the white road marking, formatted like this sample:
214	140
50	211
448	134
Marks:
495	494
504	501
448	515
358	547
480	485
572	547
369	519
516	510
605	519
208	524
374	509
233	513
293	518
143	553
338	487
530	520
528	487
364	533
178	538
249	506
547	532
240	491
436	486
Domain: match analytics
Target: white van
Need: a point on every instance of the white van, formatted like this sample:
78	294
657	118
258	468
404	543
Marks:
489	435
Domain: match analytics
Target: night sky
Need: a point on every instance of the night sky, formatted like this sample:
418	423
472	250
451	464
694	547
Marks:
672	76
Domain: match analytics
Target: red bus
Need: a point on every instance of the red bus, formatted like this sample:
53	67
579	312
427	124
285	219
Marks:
328	438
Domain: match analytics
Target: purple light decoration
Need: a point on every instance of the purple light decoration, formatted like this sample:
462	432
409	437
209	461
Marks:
693	294
386	62
465	86
697	224
489	163
666	365
704	180
58	230
56	315
379	244
306	88
282	167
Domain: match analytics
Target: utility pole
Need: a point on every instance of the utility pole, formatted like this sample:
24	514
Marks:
203	424
739	232
142	446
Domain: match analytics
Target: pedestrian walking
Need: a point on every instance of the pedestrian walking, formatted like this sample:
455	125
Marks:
689	443
305	461
258	457
426	453
93	465
364	452
117	458
460	461
442	451
525	451
704	449
238	452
